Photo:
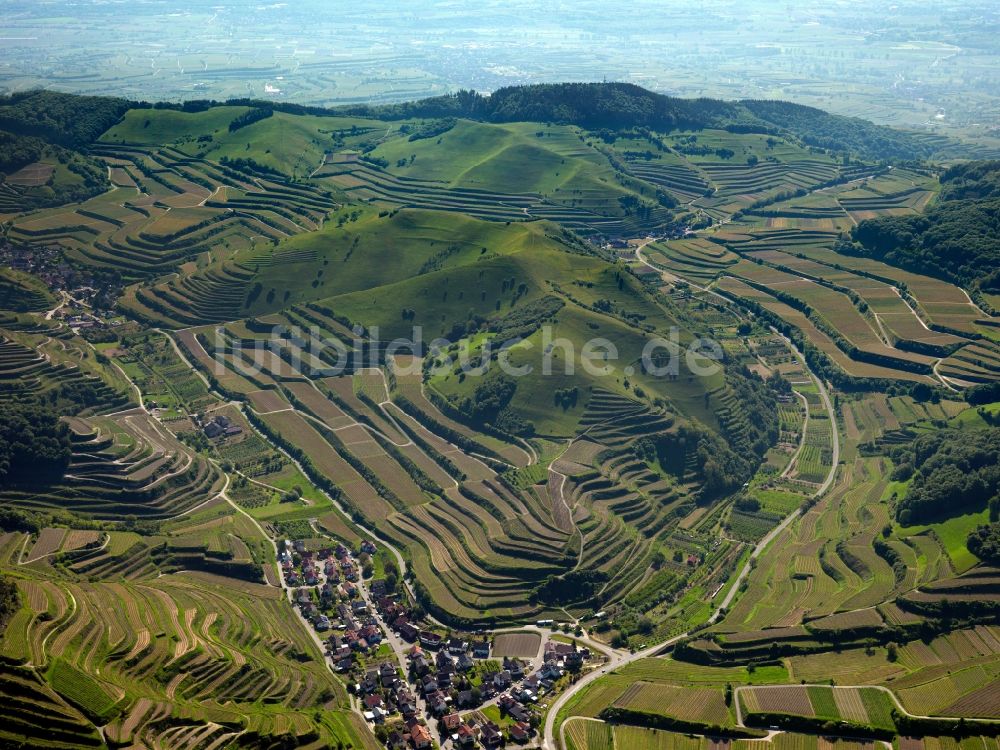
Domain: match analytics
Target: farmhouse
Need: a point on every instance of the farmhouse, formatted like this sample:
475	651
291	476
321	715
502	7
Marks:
420	665
518	712
514	667
550	670
388	676
322	622
444	661
369	684
554	649
406	704
437	702
420	736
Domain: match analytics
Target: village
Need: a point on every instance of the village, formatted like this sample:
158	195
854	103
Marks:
48	263
419	684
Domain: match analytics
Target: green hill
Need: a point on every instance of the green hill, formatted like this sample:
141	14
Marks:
369	251
293	145
622	105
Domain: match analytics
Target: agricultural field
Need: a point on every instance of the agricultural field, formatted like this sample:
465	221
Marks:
523	645
781	260
128	464
858	706
404	457
166	382
584	736
697	705
175	654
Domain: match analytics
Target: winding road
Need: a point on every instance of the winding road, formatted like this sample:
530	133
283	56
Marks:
619	659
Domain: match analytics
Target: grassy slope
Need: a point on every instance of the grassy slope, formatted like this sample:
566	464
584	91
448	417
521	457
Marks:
158	127
292	144
375	251
508	158
953	532
534	398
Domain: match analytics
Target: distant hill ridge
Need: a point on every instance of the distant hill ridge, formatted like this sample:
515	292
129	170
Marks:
613	106
625	105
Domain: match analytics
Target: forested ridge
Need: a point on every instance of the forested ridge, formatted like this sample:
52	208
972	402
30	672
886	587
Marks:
949	474
48	127
625	105
955	239
65	119
17	150
613	106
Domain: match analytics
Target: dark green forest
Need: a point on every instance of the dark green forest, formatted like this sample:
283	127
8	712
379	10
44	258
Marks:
950	474
8	601
34	444
955	239
64	119
16	151
984	543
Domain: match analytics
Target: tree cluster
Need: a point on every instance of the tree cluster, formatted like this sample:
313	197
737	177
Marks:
34	444
9	602
984	543
17	151
65	119
250	117
955	239
950	474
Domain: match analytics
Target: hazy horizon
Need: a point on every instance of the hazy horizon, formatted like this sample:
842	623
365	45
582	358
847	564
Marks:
902	64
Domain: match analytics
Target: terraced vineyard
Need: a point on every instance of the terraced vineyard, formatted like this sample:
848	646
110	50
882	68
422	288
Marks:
473	538
644	381
870	320
449	496
27	373
167	207
182	659
128	464
859	706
